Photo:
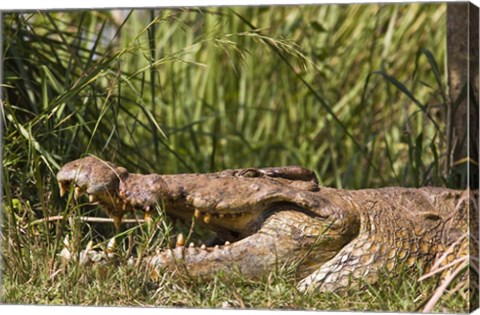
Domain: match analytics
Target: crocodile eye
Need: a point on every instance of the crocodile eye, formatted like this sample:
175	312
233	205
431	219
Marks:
249	173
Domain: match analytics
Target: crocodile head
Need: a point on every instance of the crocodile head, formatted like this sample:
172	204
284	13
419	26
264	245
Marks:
267	216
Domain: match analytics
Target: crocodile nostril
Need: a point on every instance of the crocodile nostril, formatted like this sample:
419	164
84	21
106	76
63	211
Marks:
251	172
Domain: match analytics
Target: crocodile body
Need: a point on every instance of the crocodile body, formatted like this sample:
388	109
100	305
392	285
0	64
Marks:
275	216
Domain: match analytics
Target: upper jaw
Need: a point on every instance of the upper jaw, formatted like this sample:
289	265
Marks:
92	176
220	200
119	191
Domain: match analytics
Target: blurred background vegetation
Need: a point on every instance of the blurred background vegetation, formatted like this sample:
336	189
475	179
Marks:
356	93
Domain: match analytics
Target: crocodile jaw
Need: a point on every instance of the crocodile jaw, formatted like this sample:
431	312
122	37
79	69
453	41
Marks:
285	238
118	192
263	219
213	199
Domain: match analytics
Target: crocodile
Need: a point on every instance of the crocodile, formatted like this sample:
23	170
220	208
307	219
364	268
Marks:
266	217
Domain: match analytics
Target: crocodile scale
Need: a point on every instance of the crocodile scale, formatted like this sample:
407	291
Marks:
274	216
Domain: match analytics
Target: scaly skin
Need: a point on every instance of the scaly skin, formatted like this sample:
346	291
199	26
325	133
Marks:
276	216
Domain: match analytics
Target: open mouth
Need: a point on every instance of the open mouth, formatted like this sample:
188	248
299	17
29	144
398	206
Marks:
210	201
216	228
250	218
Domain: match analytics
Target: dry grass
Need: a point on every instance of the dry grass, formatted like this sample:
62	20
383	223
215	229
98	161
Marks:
356	93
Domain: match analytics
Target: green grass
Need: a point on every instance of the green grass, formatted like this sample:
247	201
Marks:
35	274
355	92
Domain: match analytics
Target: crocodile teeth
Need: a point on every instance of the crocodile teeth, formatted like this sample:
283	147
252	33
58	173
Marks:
208	218
197	213
117	221
192	244
217	247
111	244
66	255
89	246
66	241
62	188
92	198
180	240
147	216
227	243
78	192
203	246
84	255
220	216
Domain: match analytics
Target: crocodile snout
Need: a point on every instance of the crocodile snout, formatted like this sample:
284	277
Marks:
92	176
111	186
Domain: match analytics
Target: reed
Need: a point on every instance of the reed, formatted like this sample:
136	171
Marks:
355	92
